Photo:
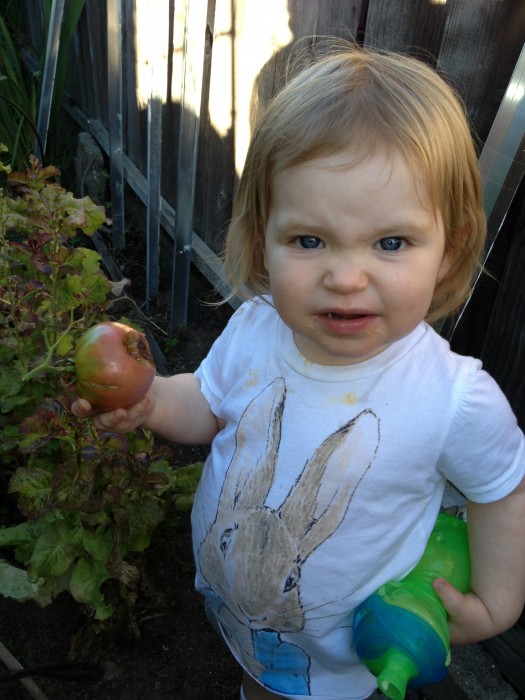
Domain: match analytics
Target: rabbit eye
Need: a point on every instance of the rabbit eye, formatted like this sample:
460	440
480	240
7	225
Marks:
290	583
225	540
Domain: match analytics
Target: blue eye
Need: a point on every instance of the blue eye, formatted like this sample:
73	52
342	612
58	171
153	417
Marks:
308	242
391	244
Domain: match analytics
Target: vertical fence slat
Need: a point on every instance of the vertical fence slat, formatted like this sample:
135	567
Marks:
114	38
416	27
470	52
191	88
48	81
158	76
154	145
153	206
93	33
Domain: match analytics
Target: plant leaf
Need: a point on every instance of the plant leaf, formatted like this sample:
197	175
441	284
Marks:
15	583
98	544
86	579
55	550
33	487
23	533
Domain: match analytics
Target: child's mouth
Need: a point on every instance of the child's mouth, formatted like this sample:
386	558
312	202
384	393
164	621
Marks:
347	323
344	317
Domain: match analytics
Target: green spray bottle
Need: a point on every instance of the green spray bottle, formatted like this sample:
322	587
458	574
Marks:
401	632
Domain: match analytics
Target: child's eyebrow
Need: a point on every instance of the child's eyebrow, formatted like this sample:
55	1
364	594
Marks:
403	228
407	227
296	226
290	224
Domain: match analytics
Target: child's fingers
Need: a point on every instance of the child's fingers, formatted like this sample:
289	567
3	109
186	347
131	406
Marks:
451	598
103	421
469	620
121	420
81	408
113	420
456	606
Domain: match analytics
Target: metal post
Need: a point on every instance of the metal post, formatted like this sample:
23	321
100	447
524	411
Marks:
191	88
502	162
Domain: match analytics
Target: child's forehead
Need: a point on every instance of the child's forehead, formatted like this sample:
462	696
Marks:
379	171
384	161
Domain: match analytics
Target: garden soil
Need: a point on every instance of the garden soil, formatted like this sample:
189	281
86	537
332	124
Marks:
165	649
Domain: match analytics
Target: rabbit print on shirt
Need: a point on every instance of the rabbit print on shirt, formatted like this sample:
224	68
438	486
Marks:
252	556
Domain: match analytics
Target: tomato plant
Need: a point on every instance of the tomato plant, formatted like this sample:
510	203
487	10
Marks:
77	502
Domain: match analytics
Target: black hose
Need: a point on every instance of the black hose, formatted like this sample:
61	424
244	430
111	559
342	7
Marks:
78	672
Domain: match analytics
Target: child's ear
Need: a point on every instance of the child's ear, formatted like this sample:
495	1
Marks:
455	247
445	266
453	251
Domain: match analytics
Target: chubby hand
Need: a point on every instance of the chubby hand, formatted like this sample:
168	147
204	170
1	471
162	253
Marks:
469	619
121	420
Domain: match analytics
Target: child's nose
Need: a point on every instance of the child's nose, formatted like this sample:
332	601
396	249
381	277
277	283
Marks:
346	275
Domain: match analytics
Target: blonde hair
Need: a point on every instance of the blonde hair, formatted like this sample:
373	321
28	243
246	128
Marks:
361	100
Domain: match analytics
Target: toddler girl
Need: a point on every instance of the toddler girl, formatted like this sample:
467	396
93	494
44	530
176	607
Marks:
335	412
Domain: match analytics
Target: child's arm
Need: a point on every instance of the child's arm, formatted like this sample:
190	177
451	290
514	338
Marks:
174	408
497	551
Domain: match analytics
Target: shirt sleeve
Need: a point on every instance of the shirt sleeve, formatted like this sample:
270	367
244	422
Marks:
232	351
484	453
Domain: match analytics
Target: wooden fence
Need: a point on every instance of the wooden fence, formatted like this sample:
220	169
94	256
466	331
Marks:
153	79
168	89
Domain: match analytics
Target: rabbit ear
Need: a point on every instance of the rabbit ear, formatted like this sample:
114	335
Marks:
317	503
251	472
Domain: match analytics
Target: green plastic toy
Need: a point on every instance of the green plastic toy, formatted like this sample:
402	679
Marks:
401	632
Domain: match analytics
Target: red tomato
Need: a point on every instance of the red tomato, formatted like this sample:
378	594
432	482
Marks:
114	366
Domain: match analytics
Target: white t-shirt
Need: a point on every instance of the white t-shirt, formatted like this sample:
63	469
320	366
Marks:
326	483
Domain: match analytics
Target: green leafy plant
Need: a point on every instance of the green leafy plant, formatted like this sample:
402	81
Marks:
81	501
21	71
18	89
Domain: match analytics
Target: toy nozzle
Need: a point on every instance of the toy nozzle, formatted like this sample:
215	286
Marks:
397	671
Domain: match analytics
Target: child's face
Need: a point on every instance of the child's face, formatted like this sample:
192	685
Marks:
353	255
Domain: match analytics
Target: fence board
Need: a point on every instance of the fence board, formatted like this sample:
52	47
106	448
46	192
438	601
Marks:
116	136
157	91
191	88
136	78
91	49
97	69
415	27
82	66
477	34
309	22
503	351
154	139
216	174
216	177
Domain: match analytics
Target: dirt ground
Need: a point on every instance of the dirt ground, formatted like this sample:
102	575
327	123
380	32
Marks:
169	650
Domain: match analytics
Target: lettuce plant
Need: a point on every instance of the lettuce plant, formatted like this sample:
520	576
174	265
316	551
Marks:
79	503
